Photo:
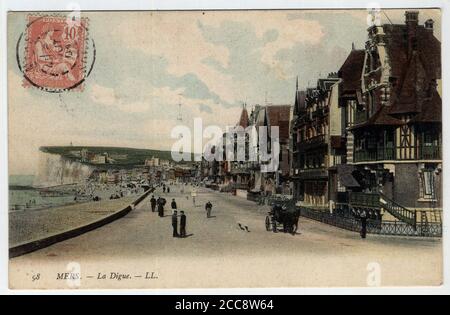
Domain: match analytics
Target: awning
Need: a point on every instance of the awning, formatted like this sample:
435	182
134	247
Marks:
345	175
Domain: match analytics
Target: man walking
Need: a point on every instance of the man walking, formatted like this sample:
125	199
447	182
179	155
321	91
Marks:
175	224
153	203
183	224
363	225
161	203
193	195
174	206
208	208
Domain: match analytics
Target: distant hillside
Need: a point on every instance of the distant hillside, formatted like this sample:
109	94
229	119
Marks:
121	157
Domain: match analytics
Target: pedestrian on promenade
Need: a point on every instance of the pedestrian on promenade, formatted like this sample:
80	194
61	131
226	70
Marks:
174	205
175	224
164	189
161	203
193	195
182	224
363	225
208	208
168	190
153	203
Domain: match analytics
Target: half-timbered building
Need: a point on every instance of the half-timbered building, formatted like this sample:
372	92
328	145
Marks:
394	119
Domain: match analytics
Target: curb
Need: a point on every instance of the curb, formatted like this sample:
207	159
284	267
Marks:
32	246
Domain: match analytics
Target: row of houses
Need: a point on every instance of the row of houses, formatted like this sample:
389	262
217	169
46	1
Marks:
247	175
367	135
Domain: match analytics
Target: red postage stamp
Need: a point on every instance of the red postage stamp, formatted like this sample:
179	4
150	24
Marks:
55	53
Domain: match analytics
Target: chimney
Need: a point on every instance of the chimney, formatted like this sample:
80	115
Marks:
412	18
412	21
429	25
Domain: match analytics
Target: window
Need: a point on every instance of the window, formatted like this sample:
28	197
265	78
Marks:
427	178
340	187
430	138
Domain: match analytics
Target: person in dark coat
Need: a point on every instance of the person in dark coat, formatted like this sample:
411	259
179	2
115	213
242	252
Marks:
182	224
174	205
153	203
208	208
161	202
175	224
363	225
164	189
168	190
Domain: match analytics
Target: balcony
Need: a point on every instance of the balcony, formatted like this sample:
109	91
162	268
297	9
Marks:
432	152
379	154
312	173
312	142
386	154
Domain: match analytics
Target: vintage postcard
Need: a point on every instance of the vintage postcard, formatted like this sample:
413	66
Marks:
224	149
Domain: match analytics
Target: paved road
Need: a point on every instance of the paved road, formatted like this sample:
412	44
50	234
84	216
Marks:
218	253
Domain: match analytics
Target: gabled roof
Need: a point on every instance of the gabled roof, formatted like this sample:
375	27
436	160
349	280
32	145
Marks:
280	115
431	110
351	71
414	70
244	120
396	42
414	57
300	97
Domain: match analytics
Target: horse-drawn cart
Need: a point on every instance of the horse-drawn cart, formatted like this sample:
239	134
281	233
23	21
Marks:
283	213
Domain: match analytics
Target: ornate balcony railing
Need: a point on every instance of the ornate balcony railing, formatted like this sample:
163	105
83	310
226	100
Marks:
385	154
432	152
360	156
379	154
382	154
312	142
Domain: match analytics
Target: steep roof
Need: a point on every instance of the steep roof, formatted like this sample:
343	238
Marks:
244	121
414	56
350	72
280	115
431	110
300	97
396	41
414	70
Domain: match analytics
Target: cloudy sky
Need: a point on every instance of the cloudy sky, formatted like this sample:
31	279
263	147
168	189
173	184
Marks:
147	63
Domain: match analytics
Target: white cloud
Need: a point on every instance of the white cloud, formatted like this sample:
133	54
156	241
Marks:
177	38
290	32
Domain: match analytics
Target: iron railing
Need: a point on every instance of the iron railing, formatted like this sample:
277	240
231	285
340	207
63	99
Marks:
430	152
379	154
394	228
398	211
383	153
364	199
